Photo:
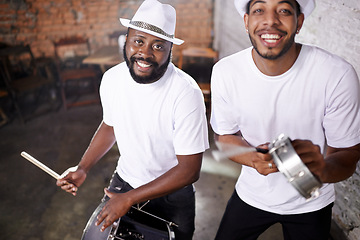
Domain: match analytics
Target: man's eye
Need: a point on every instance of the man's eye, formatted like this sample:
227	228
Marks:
158	47
257	11
286	11
138	41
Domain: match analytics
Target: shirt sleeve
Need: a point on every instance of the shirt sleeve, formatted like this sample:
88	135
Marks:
105	96
190	124
222	120
342	116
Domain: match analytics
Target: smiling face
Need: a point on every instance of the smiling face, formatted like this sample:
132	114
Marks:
146	56
272	25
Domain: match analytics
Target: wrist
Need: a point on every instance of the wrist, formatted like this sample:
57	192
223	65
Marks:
130	197
83	168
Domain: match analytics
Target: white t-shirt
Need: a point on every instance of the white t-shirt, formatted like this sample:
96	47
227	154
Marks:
153	122
316	99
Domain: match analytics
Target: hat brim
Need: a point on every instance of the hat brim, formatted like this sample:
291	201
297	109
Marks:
306	7
126	23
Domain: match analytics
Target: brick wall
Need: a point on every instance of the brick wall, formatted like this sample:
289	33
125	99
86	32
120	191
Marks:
40	22
334	26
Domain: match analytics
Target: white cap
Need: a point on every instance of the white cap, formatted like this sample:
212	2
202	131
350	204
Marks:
306	6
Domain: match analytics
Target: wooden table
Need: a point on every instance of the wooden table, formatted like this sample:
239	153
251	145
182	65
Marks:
197	52
105	57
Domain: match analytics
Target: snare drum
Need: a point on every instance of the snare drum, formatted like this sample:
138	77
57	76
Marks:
140	225
290	164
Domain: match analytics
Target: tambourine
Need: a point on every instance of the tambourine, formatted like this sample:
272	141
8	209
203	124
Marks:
290	164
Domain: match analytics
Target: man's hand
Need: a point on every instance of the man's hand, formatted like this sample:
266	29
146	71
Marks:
71	179
116	207
311	155
263	163
338	164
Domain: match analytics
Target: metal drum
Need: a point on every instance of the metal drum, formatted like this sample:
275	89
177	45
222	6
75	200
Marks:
140	225
290	164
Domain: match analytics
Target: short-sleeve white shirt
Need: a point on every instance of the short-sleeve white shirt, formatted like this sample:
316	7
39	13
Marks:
153	122
317	99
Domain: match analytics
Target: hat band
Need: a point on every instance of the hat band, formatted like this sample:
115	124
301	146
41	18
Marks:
151	28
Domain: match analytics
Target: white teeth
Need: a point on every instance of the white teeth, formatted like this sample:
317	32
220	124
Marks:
143	65
271	38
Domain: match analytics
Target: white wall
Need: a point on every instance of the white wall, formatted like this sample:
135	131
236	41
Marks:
230	35
334	26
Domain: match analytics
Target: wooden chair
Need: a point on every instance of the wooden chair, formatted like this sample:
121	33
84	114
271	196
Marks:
114	37
3	117
20	75
69	53
198	62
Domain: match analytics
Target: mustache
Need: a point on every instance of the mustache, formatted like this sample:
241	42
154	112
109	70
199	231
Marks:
271	29
148	60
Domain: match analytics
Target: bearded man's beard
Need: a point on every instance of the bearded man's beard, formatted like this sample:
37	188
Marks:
271	56
155	75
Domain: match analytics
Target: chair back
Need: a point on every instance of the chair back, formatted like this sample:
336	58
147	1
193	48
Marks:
22	77
75	76
115	36
17	63
70	51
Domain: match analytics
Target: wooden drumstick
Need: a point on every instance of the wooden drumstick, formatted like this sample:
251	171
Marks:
40	165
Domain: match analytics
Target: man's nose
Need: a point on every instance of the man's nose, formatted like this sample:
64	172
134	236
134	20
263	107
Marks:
146	51
271	18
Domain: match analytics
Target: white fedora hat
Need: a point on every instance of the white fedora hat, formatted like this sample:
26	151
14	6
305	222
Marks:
156	19
306	6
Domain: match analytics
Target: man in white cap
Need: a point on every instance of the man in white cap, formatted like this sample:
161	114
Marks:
280	86
156	114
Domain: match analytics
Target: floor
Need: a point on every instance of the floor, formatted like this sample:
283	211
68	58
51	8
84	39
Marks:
34	208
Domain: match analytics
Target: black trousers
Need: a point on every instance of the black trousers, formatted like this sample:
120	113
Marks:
177	207
244	222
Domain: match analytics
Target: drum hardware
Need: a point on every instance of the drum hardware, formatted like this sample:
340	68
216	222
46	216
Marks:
138	224
152	215
286	160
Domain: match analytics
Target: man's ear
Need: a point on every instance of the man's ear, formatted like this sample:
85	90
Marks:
300	21
246	21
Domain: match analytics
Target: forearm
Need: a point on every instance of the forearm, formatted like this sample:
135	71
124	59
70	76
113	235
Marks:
237	139
100	144
183	174
340	164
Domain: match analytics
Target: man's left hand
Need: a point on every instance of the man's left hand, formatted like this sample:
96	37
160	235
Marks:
311	155
116	207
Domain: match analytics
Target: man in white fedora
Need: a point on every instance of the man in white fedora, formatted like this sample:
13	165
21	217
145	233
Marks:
281	86
156	114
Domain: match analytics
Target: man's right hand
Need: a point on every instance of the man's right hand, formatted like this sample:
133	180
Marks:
263	162
71	179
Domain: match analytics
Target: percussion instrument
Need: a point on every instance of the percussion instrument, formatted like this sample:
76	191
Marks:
290	164
137	224
285	159
140	225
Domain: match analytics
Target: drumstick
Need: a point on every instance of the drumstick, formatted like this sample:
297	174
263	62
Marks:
230	150
40	165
